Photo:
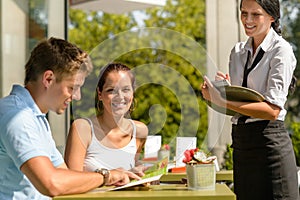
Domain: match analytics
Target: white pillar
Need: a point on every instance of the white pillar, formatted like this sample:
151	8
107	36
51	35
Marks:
13	44
222	32
56	28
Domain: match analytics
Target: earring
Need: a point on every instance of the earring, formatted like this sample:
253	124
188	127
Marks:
132	106
99	105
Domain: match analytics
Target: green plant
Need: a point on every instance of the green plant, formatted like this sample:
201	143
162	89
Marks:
228	163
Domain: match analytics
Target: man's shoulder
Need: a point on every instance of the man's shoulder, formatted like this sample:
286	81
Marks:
15	98
14	113
19	100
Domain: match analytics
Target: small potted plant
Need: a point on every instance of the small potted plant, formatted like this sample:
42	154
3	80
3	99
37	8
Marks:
196	156
200	170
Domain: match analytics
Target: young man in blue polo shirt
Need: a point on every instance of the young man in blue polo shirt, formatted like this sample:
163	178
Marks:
30	165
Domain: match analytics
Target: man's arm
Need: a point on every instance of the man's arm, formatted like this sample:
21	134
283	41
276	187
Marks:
53	181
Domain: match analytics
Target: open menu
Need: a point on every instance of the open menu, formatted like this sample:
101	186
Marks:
153	173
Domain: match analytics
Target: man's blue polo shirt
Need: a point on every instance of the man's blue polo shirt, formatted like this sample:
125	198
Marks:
24	134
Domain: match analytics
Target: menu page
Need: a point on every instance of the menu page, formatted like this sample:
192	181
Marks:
153	173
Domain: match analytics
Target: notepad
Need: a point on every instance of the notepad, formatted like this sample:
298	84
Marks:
233	93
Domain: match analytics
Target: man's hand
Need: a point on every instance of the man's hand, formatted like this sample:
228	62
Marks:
119	177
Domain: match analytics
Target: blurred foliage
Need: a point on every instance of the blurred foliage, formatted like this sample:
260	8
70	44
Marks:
184	16
168	75
291	28
291	31
157	104
296	141
228	160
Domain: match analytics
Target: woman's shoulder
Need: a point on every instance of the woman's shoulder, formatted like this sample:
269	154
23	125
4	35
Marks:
82	126
82	122
281	43
238	47
281	48
275	42
141	129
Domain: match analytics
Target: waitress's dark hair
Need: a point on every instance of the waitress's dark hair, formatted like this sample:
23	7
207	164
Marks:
272	7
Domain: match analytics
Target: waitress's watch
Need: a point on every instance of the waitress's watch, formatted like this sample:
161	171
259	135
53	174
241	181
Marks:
105	173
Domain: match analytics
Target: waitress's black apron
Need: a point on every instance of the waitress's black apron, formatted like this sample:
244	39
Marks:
264	162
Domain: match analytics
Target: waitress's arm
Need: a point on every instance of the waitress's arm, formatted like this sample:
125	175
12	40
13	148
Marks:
262	110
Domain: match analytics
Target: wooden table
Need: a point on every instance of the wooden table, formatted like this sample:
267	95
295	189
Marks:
157	192
223	175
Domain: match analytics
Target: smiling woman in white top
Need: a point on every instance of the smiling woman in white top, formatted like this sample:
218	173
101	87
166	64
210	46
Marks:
109	140
264	163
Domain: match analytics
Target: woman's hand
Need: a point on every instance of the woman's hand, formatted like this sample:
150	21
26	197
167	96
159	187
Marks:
210	93
139	170
220	76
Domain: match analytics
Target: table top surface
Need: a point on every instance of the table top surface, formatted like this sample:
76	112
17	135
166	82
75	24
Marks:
156	192
223	175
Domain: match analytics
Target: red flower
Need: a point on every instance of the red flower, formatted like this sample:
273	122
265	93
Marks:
194	156
188	155
165	147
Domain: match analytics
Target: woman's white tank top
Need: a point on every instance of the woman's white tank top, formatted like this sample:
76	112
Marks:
100	156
